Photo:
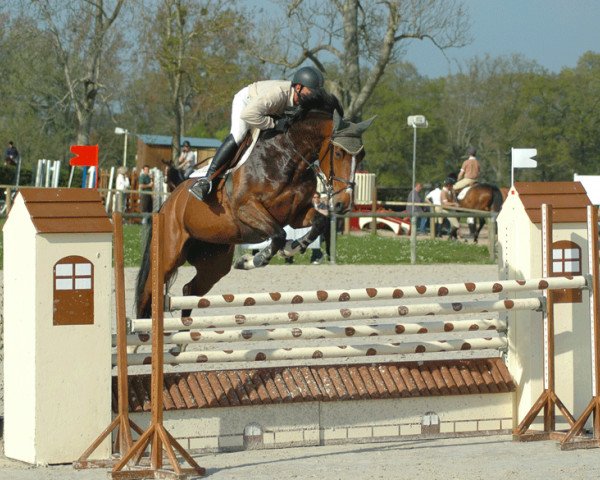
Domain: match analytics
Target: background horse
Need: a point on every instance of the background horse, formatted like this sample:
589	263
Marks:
482	196
273	188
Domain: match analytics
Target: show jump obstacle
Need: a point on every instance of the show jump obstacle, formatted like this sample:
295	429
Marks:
339	350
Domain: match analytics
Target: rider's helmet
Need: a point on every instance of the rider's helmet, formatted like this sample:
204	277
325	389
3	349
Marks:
449	181
309	77
471	151
186	144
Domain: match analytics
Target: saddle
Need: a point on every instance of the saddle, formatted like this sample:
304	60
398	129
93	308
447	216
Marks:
462	193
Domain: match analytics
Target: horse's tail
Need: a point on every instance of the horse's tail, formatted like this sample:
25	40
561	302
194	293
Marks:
497	199
142	304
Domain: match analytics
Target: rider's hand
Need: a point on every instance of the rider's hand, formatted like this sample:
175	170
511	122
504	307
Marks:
282	124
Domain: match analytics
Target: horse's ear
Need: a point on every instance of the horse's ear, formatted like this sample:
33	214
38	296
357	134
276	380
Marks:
337	120
362	126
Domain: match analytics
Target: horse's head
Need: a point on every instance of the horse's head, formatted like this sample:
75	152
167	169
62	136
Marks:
339	165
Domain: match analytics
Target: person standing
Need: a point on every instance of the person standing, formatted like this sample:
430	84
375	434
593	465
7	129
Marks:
146	185
469	171
448	199
187	160
316	256
414	197
11	154
122	184
434	197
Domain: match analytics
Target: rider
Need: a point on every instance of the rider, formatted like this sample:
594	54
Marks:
469	171
254	107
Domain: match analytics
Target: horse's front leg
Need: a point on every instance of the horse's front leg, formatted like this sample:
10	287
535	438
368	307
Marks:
262	258
318	226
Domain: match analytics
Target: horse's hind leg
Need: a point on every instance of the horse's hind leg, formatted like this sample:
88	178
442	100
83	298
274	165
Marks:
481	222
212	262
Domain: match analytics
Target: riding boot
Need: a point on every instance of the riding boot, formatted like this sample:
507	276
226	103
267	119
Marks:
472	230
453	234
224	154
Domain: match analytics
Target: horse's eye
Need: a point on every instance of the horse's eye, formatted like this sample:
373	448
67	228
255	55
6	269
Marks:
338	154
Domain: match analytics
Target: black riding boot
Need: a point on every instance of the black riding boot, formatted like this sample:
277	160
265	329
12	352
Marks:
472	230
224	154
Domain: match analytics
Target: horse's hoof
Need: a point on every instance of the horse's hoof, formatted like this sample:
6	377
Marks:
245	262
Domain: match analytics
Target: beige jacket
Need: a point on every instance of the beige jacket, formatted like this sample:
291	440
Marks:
267	98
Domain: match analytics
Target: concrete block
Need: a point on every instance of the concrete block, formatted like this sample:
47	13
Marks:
289	437
360	432
489	425
446	427
469	426
410	429
231	442
204	443
386	431
335	434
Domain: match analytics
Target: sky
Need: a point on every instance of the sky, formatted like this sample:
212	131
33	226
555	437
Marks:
555	33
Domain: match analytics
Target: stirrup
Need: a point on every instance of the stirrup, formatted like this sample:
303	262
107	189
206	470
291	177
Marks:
201	189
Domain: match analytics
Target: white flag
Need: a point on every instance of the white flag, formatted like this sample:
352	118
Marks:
521	157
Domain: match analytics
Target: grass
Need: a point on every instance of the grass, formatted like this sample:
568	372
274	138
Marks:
356	250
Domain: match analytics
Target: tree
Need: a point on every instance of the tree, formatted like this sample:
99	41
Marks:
359	38
81	35
193	46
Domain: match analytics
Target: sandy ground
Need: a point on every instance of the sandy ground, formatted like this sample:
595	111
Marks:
473	458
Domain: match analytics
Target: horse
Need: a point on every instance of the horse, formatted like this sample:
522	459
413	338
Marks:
482	196
273	188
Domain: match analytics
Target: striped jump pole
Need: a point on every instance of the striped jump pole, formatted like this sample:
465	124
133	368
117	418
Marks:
175	357
365	294
315	333
275	318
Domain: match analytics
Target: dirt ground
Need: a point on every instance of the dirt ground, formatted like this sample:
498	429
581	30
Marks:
471	458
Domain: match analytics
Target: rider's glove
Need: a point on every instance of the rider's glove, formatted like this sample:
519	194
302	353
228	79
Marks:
282	124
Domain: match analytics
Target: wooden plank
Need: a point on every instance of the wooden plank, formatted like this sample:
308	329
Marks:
60	195
569	200
67	225
66	209
549	188
564	215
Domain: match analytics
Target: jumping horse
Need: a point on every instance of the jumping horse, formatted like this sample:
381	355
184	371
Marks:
273	188
482	196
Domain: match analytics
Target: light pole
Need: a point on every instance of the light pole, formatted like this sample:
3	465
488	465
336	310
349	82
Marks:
123	131
415	121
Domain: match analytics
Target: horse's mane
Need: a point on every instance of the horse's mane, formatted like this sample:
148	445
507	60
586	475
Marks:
318	100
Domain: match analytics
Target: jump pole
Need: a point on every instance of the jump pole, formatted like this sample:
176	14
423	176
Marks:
548	399
156	435
569	442
122	423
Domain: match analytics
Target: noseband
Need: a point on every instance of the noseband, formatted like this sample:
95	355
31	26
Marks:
329	180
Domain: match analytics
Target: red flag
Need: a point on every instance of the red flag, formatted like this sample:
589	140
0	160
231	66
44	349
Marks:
85	156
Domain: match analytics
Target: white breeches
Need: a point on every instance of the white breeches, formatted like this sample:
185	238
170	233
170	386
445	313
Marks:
238	126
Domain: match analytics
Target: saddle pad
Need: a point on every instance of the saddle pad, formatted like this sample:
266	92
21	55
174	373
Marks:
463	193
201	172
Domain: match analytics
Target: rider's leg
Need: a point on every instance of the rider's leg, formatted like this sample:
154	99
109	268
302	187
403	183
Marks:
228	148
224	155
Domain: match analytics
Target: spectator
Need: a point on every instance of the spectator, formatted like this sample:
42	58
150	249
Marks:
415	197
187	160
434	197
122	184
146	187
448	199
316	256
11	155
